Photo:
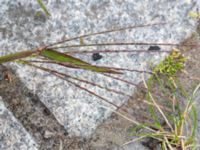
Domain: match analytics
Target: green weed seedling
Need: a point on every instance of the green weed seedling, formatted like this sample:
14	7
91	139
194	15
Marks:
174	130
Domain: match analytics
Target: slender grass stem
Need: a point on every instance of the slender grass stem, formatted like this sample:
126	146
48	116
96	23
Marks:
127	118
134	140
78	67
124	43
115	51
65	77
106	31
160	110
15	56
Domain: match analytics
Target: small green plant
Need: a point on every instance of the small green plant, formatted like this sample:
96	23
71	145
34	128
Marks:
171	65
174	130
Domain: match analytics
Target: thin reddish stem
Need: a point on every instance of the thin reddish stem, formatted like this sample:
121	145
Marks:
76	67
104	32
117	51
127	43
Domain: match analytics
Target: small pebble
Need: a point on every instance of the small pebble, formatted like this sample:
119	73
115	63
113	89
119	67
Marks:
154	48
47	111
96	56
48	134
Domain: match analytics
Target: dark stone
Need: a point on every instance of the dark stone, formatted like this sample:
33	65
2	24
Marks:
46	111
151	143
154	48
66	133
96	56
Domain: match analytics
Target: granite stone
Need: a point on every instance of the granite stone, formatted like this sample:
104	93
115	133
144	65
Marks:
24	26
13	136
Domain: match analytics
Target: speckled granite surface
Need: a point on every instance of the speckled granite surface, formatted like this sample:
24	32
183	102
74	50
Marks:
24	26
13	136
197	102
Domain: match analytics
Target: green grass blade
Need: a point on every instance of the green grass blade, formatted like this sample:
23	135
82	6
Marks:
192	137
61	57
64	58
151	107
44	7
15	56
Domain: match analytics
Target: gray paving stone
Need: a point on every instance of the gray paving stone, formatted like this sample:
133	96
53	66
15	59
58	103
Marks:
197	102
24	26
12	134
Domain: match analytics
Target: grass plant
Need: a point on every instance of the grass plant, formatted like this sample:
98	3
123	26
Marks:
168	128
174	130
